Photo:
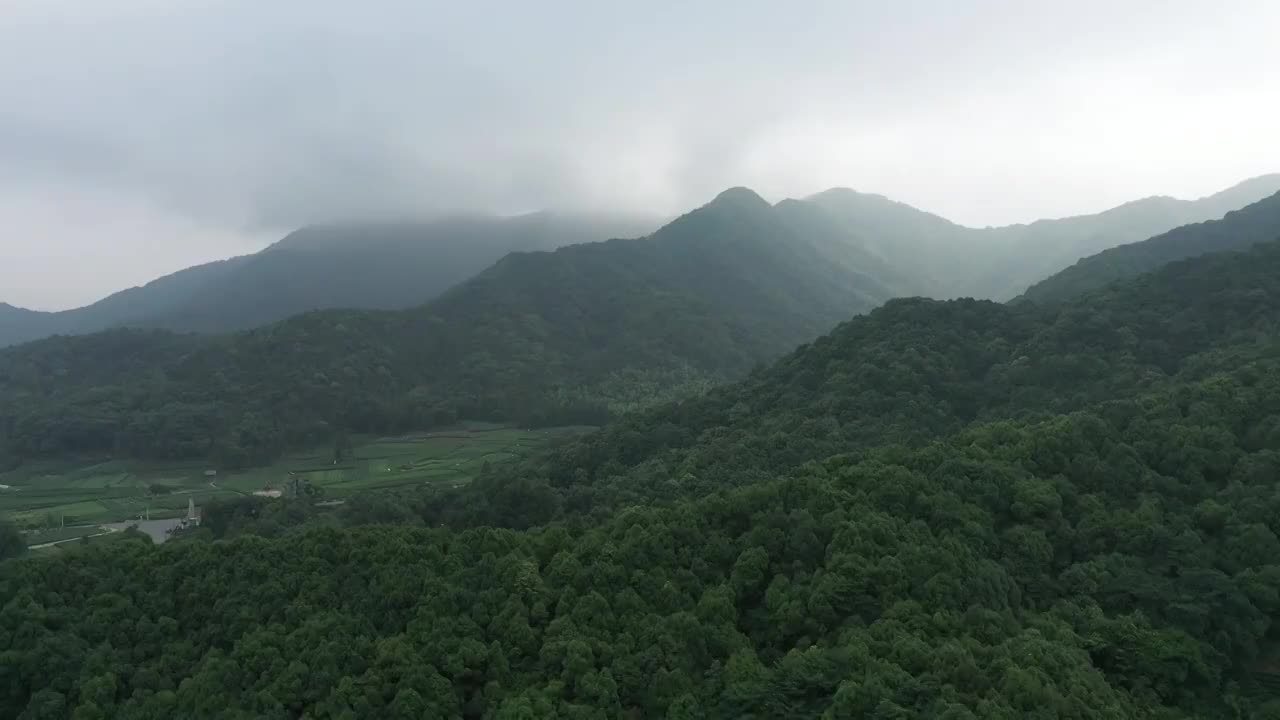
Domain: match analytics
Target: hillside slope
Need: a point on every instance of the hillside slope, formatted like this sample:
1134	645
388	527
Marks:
906	373
1240	229
573	335
949	260
858	530
353	265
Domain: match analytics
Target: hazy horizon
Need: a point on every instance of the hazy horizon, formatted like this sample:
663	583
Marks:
139	137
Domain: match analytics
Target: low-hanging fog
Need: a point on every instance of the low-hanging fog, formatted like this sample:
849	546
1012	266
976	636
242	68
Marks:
140	136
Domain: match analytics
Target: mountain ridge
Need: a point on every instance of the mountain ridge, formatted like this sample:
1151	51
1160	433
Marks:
917	369
999	262
376	265
1258	185
917	252
941	508
572	335
1236	230
401	264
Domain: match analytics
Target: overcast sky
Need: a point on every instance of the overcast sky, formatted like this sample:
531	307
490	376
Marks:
141	136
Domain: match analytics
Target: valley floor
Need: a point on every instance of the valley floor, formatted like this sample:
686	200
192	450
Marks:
65	499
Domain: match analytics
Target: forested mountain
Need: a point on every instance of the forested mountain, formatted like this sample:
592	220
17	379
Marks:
19	324
401	265
1259	222
908	372
949	260
941	510
573	335
352	265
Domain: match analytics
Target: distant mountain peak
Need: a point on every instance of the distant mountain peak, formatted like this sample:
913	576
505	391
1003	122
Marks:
844	192
862	206
1249	191
848	197
1266	180
377	264
738	196
1238	230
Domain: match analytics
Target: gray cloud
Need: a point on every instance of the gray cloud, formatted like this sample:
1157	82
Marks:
150	134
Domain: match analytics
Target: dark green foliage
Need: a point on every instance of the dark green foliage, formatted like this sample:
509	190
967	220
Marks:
575	336
566	337
1071	568
12	543
353	265
954	510
228	518
1259	222
914	370
940	510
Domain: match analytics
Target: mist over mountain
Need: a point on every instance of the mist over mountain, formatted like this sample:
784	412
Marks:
1237	230
951	260
388	265
578	334
399	265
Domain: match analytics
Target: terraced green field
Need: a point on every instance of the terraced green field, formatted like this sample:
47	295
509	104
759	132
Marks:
53	493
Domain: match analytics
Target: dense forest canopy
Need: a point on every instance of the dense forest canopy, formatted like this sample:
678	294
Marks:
917	369
347	265
995	512
572	336
1259	222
